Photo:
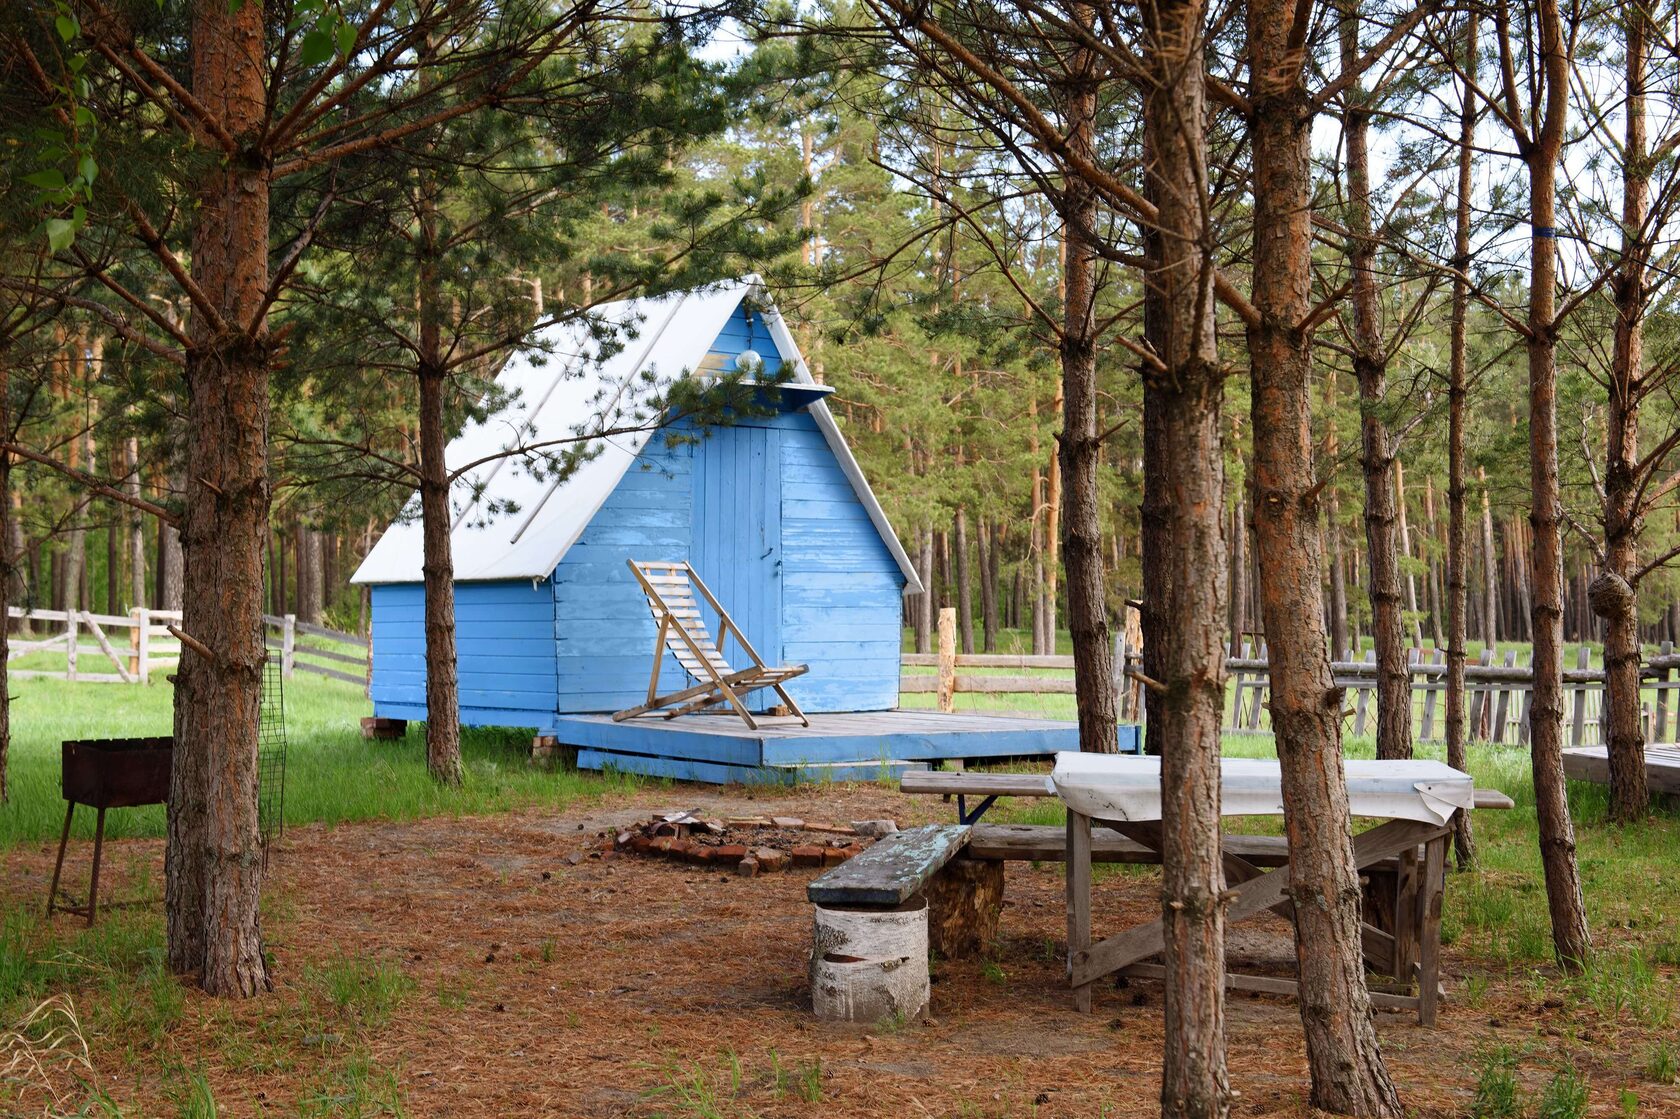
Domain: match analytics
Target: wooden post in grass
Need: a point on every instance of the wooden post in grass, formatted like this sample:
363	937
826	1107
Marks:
134	644
143	642
70	640
288	646
948	659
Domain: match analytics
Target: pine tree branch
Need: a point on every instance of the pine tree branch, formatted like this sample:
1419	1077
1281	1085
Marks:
91	483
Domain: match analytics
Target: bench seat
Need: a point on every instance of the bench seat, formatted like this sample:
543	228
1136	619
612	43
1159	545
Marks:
1048	843
893	870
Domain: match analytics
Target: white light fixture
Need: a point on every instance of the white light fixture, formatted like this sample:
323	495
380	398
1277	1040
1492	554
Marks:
749	362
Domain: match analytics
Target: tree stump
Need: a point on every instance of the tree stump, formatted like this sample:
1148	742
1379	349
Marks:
964	901
870	964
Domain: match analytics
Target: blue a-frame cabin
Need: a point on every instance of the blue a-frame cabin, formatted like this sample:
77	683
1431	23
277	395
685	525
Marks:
552	632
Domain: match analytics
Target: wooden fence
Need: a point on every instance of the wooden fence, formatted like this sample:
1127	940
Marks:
1499	695
129	648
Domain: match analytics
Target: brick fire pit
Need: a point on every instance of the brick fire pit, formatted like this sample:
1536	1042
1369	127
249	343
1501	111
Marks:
749	845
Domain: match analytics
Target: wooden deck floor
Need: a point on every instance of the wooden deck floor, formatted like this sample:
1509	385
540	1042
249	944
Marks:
860	744
1662	765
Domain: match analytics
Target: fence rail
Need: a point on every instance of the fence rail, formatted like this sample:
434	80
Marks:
1499	696
149	647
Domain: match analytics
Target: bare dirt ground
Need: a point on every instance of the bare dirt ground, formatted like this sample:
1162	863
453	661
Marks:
545	980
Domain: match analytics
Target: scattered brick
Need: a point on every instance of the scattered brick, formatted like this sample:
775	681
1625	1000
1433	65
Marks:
807	854
834	856
792	822
747	868
769	859
729	853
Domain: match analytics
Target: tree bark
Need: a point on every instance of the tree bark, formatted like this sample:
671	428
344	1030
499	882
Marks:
1570	939
1370	366
213	860
988	554
1185	560
1237	597
965	589
1458	393
310	587
1407	554
1614	593
1340	649
924	601
1079	447
1490	569
1348	1074
8	572
443	710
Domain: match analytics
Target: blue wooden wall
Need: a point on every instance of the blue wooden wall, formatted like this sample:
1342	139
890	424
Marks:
582	640
505	655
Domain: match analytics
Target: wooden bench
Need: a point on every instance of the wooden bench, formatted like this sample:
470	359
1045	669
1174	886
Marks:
964	893
987	785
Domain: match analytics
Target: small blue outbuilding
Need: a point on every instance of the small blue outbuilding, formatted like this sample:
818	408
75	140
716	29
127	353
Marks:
772	511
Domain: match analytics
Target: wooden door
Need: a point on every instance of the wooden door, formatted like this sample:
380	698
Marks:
737	543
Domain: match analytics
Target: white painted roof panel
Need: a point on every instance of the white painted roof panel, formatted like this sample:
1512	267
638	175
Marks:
515	517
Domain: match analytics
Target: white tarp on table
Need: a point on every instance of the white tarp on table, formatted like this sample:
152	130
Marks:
1118	787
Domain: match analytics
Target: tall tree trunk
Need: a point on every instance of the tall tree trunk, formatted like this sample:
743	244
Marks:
1079	447
1370	365
1237	601
988	553
75	548
310	587
1185	560
8	572
965	590
924	601
1458	392
1348	1074
1339	647
1407	554
1614	591
443	710
213	860
1432	585
1570	939
1490	569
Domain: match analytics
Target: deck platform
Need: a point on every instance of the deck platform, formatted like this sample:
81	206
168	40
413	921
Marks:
1662	765
863	745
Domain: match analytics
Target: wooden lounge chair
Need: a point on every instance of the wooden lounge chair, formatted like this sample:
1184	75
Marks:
670	590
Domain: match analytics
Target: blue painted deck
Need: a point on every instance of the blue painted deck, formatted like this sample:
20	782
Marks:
843	746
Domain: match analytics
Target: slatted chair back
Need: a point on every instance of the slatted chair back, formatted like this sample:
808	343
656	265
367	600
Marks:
674	593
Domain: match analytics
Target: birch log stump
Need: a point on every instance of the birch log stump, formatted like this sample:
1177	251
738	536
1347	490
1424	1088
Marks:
870	964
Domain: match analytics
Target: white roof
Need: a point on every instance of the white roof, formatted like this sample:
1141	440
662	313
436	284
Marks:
512	518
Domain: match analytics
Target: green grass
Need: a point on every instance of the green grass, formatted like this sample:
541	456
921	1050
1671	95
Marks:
332	775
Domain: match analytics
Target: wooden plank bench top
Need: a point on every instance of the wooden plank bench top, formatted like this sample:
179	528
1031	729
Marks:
1048	843
978	784
893	870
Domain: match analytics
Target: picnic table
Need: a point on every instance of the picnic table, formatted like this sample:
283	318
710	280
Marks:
1113	815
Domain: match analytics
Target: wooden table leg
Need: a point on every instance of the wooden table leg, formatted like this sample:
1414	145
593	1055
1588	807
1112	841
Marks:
98	850
1406	916
58	867
1430	898
1078	900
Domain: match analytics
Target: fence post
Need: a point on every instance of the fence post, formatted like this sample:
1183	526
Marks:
288	643
145	632
947	656
70	641
134	644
